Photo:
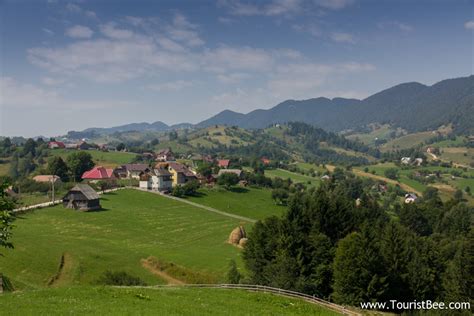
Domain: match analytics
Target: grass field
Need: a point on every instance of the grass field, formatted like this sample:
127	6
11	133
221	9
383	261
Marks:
383	132
102	158
254	203
295	177
133	225
307	166
407	141
161	301
460	155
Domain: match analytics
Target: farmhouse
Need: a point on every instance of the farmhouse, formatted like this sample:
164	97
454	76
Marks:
82	197
223	163
132	171
238	172
405	160
410	198
265	161
180	173
165	155
47	179
160	179
56	145
83	145
99	173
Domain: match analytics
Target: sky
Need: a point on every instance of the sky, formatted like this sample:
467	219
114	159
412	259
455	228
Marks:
70	65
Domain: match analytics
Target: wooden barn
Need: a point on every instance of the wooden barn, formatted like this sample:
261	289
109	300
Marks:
82	197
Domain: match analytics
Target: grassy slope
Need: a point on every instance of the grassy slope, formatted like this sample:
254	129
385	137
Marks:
134	225
249	202
407	141
163	301
106	159
295	177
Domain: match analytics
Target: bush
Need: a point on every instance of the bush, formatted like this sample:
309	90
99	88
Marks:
119	278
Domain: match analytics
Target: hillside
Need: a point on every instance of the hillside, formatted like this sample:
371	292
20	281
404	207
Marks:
411	106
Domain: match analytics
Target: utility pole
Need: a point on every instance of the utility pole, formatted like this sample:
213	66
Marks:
52	187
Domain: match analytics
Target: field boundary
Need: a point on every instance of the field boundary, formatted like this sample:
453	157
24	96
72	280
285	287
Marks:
261	288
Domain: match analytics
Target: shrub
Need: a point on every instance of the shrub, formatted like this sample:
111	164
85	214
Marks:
119	278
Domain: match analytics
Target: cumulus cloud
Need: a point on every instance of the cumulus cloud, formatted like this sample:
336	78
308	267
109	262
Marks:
272	8
79	31
469	25
74	8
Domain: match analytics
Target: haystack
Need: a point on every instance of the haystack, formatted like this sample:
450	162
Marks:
236	235
243	242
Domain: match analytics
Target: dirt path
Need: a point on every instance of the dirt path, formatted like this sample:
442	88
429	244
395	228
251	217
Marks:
204	207
64	275
161	274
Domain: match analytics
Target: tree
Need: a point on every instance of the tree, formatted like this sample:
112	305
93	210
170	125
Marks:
228	180
155	141
458	195
6	217
191	187
78	163
280	196
233	275
29	147
57	166
391	173
120	147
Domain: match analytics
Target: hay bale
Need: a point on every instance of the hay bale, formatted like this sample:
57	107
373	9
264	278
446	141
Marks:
243	242
236	235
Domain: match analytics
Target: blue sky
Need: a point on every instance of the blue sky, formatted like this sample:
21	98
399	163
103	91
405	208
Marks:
69	65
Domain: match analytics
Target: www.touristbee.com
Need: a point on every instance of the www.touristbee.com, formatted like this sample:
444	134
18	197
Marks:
416	305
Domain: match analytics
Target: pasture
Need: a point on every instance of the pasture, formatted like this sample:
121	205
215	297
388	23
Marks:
255	203
159	301
407	141
295	177
133	225
101	158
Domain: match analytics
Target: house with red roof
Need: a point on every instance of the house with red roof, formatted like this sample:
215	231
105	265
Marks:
223	163
265	161
55	145
99	173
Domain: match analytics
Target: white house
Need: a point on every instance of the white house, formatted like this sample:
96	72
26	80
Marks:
410	198
405	160
158	180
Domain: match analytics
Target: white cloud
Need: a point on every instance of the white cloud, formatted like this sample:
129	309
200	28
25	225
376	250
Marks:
271	8
181	30
340	37
47	31
51	81
232	78
170	86
79	31
226	58
334	4
111	30
74	8
395	24
469	25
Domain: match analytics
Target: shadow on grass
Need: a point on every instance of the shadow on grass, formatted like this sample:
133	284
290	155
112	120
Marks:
238	190
97	211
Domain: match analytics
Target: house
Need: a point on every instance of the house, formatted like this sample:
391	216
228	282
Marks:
265	161
410	198
56	145
418	161
405	160
238	172
165	155
71	146
223	163
132	171
47	179
82	145
160	179
99	173
180	173
82	198
326	177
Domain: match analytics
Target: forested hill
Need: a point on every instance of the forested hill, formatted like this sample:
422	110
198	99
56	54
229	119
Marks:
412	106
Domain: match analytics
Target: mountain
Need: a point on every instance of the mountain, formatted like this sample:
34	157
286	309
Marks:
412	106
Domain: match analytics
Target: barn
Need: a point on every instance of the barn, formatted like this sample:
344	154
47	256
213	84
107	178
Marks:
82	198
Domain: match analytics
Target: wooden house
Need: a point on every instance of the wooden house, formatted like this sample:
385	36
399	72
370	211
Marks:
82	198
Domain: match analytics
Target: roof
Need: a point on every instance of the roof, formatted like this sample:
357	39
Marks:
411	195
165	151
136	167
180	168
98	172
162	172
59	144
85	189
46	178
234	171
223	163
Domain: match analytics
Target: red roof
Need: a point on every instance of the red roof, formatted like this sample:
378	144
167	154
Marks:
265	161
58	144
98	173
224	163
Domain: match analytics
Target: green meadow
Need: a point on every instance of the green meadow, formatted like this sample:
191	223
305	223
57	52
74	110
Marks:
255	203
295	177
132	226
103	158
159	301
